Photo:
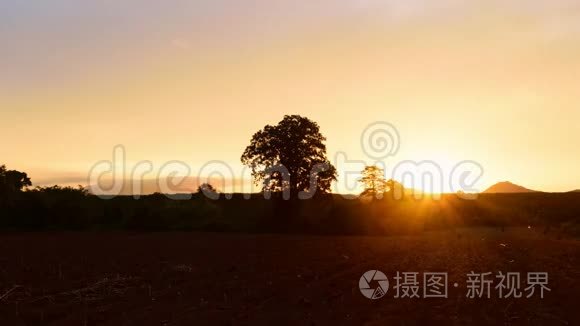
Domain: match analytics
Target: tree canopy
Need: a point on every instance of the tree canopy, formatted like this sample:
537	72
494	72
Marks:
373	181
12	181
290	156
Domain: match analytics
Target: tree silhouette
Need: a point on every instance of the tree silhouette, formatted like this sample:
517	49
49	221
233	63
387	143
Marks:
56	189
376	185
208	190
206	187
290	156
373	181
12	181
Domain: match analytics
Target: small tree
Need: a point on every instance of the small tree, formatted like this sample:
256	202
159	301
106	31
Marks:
375	184
373	181
208	190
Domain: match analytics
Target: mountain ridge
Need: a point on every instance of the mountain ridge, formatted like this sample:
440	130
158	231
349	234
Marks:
507	187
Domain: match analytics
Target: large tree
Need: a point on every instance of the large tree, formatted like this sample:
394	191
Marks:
290	156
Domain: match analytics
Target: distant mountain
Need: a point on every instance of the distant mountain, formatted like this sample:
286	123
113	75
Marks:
577	190
506	187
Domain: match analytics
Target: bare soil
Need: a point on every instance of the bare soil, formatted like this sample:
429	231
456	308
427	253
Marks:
237	279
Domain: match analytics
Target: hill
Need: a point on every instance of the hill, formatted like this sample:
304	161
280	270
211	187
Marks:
507	187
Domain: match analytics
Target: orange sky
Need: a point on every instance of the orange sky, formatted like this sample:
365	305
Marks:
485	81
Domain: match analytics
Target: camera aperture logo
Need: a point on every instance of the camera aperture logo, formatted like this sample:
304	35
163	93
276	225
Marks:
373	284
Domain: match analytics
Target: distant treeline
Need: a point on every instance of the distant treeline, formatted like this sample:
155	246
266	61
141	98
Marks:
74	209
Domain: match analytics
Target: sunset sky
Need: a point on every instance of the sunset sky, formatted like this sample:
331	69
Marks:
497	82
